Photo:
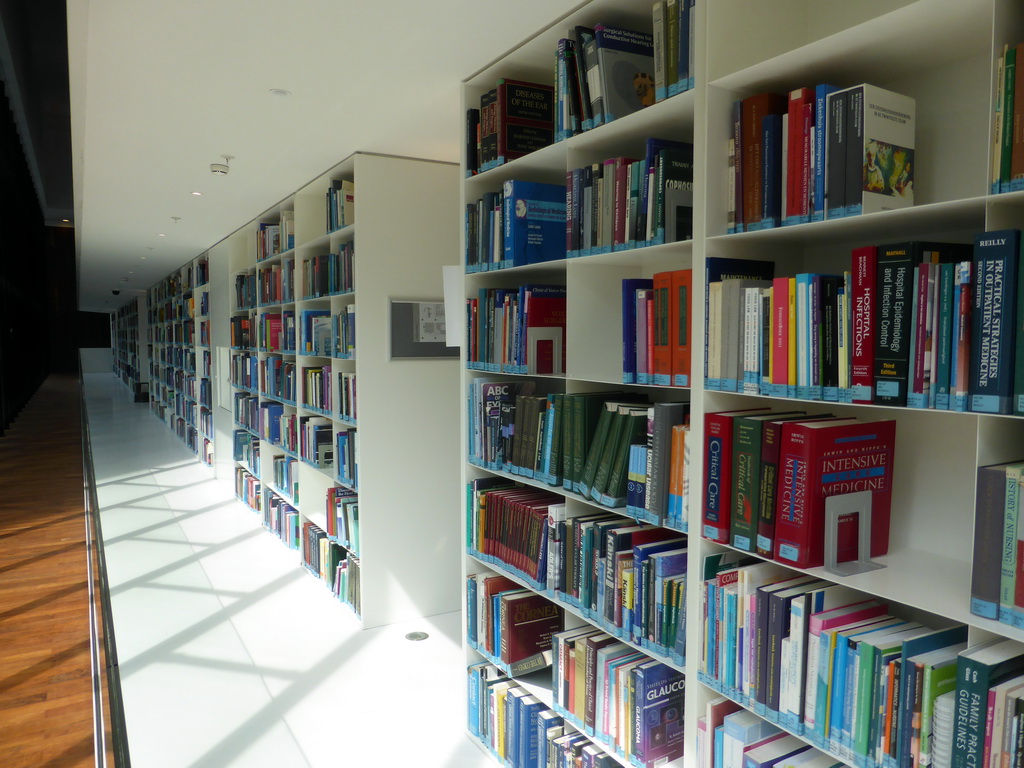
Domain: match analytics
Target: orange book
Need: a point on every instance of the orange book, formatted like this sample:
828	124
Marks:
680	322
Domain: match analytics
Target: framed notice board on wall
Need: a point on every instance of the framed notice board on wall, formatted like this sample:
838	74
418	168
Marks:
418	330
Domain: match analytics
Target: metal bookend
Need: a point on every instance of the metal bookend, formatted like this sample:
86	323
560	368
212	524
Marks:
858	504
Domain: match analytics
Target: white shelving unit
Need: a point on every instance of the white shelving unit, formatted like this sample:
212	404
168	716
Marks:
404	230
943	54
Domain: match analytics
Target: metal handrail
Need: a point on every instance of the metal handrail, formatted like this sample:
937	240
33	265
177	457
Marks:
101	620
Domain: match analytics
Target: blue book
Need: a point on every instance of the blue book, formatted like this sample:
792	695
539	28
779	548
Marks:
658	713
625	63
771	171
629	288
533	222
821	93
993	320
641	554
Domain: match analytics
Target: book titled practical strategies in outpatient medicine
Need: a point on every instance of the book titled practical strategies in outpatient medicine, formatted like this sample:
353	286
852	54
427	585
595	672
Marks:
820	459
993	321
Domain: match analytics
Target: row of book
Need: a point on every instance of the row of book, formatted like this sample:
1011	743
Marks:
329	274
343	517
347	453
348	408
245	291
245	448
517	330
316	393
275	238
819	153
244	371
249	489
645	493
656	322
331	563
275	332
286	477
341	204
277	378
578	442
918	324
773	479
627	578
281	519
519	730
842	672
509	625
731	737
316	440
618	695
997	575
204	333
625	202
522	224
1007	140
241	332
343	333
316	332
276	283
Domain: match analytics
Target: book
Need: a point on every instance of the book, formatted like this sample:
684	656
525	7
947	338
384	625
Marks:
680	323
630	319
534	222
879	150
527	621
657	713
717	495
978	669
826	458
996	264
665	417
988	553
751	191
625	71
523	119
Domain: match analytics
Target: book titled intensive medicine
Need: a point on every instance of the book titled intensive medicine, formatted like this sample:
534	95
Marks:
534	222
880	149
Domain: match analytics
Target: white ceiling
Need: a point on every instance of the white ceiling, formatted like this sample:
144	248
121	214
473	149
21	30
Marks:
162	88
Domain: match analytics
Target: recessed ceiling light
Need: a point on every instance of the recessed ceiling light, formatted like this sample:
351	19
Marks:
280	92
198	194
161	235
143	258
66	220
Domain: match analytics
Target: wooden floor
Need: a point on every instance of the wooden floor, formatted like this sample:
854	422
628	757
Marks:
45	672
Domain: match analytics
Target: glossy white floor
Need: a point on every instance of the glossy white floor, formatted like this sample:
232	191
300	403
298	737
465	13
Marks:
230	653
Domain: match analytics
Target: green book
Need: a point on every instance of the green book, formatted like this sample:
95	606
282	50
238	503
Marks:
593	453
978	669
568	452
746	476
614	494
938	669
608	451
1006	153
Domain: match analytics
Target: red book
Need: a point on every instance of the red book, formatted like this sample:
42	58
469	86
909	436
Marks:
680	318
797	155
862	362
753	111
487	588
544	307
663	304
717	497
819	459
527	621
523	118
780	331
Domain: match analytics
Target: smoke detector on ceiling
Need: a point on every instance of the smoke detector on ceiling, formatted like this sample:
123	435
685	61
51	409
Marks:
221	169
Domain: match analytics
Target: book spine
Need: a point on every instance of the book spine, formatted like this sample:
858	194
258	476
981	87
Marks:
944	338
996	257
717	477
854	141
835	157
894	281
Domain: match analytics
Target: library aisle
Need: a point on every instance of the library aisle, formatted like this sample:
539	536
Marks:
230	653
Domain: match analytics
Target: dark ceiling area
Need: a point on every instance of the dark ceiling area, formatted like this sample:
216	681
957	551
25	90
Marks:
34	69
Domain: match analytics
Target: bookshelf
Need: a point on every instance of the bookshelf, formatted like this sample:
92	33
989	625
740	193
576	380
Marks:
741	50
399	424
129	339
180	357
